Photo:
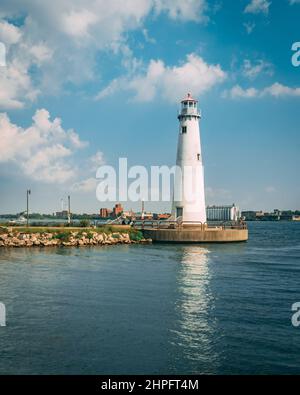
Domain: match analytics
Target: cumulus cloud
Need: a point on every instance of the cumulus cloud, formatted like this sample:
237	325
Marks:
9	34
170	83
258	6
62	39
238	92
276	90
89	184
42	151
279	90
78	23
15	86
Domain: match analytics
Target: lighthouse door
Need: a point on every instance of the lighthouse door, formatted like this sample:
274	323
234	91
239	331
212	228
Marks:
179	212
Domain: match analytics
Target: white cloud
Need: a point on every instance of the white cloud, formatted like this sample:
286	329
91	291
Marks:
9	34
75	140
40	151
96	160
239	92
15	86
78	23
87	185
252	70
258	6
193	10
171	83
40	53
147	38
276	90
63	37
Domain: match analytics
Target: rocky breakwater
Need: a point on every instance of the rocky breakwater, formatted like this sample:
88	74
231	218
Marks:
50	238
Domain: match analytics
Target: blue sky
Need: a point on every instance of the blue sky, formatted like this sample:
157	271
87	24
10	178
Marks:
87	82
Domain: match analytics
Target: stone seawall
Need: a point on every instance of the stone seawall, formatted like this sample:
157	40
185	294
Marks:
78	238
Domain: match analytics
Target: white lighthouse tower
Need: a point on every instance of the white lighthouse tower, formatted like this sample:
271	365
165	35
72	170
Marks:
189	196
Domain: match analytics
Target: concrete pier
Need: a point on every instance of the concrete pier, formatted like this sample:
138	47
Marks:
197	235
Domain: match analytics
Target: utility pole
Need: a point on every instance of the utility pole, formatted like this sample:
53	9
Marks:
69	209
143	209
28	193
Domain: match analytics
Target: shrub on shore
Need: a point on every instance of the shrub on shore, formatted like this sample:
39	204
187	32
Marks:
62	236
3	230
136	235
84	223
89	235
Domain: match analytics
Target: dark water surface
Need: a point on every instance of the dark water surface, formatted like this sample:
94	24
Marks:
154	309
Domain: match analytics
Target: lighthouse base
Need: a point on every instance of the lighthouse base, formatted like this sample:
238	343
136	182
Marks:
197	235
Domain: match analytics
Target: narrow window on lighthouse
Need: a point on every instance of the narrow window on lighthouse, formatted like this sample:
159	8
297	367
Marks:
184	130
199	157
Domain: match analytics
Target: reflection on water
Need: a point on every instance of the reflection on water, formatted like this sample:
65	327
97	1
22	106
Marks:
195	333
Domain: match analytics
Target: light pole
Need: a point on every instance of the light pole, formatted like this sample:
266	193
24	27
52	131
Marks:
28	193
69	209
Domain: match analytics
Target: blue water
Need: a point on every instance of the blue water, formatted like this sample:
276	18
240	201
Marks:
172	309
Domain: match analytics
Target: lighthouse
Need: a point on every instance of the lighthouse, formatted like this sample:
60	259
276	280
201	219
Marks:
189	195
188	223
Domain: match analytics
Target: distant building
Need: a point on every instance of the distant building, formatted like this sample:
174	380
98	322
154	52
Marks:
276	215
161	217
289	217
62	214
223	213
259	214
147	216
114	213
252	215
128	214
144	216
105	212
117	210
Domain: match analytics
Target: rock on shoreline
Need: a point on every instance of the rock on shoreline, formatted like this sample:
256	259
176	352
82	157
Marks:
15	238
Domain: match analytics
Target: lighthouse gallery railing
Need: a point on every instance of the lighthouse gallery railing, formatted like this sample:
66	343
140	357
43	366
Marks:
177	225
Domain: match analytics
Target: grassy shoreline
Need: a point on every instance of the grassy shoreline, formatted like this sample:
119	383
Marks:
67	229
